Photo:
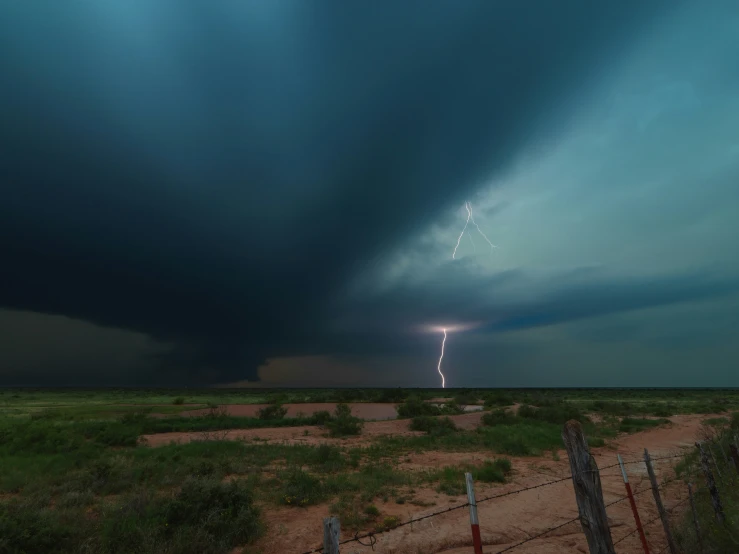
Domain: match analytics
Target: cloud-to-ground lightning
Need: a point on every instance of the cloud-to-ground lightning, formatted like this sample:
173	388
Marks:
438	366
470	217
447	328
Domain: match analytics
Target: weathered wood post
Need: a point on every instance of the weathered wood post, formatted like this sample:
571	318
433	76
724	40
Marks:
588	491
658	500
643	539
695	518
718	470
331	534
734	456
474	522
710	481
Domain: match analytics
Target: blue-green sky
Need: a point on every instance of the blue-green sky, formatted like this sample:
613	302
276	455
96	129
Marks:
209	193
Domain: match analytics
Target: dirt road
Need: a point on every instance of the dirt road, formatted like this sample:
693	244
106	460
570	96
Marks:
509	520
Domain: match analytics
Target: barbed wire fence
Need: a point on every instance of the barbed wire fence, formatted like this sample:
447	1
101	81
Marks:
332	542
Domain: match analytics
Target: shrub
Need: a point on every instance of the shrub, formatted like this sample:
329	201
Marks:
559	413
465	398
433	425
414	407
500	416
344	423
372	511
301	489
273	411
389	522
321	418
493	471
329	457
178	401
452	407
498	399
205	516
391	395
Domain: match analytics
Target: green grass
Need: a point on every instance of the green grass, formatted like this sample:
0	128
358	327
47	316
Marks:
716	538
75	478
433	425
634	425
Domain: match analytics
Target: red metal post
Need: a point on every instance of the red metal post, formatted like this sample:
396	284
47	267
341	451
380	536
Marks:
639	528
476	539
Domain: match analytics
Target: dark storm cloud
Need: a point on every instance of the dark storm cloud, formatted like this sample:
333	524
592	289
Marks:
514	300
213	174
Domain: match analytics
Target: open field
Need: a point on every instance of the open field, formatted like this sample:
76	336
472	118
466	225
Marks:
255	471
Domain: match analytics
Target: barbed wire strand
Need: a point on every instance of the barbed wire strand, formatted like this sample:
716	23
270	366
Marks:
649	522
371	535
537	536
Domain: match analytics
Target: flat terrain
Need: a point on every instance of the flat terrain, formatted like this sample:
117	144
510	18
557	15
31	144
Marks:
257	471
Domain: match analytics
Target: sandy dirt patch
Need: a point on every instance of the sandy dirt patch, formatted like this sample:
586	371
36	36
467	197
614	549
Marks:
308	434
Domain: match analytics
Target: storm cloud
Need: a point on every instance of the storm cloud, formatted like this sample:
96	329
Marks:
243	181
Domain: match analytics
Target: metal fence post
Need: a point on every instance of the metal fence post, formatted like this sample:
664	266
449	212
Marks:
474	522
658	500
639	528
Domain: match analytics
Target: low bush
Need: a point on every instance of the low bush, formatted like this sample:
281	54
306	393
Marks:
414	407
433	425
272	412
500	416
344	423
493	471
495	399
555	412
301	488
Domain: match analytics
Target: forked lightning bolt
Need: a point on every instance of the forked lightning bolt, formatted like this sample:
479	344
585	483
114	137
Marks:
438	366
470	217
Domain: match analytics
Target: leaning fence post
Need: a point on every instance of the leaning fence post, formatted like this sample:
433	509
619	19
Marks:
715	463
643	539
695	518
715	498
588	492
734	456
658	501
474	522
331	533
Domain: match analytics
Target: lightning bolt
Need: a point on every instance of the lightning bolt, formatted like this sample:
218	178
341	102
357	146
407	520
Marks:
438	366
470	217
459	239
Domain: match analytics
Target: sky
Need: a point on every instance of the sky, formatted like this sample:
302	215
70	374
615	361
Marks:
270	193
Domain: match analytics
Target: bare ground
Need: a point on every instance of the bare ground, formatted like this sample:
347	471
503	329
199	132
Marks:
503	521
310	434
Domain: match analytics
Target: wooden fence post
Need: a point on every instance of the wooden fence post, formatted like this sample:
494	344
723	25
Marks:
643	539
718	470
474	522
588	491
658	501
331	534
734	456
695	518
715	498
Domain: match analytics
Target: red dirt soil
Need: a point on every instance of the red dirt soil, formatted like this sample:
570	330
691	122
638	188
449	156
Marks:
504	521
